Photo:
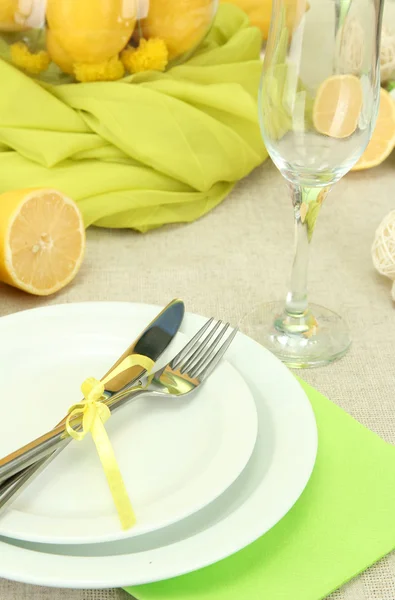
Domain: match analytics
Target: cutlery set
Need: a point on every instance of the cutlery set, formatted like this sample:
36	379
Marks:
182	375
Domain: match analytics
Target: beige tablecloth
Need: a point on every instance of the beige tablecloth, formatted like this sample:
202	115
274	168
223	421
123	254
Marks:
240	255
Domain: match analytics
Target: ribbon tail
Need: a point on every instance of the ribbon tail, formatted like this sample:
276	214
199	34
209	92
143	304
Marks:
113	474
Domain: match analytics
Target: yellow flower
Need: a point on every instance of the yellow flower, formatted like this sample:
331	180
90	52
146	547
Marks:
31	62
151	55
108	70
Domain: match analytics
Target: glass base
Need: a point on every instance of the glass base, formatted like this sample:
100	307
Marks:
314	339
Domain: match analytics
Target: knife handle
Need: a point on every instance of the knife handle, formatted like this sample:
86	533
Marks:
55	439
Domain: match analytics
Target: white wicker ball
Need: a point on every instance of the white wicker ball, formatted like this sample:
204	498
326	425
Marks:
387	55
383	249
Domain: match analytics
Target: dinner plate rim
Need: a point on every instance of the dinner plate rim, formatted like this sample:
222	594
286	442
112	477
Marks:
120	573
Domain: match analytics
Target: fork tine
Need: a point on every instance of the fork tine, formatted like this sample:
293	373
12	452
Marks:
205	370
191	344
206	351
192	358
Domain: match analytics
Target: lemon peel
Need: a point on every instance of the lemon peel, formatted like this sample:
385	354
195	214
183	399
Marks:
12	16
57	54
382	142
182	24
91	31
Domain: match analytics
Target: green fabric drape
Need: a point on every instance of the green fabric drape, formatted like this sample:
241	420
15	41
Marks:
151	149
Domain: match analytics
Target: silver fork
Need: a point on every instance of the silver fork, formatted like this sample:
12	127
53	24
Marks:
181	376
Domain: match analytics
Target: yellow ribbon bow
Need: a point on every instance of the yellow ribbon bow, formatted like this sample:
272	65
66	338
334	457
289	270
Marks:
94	414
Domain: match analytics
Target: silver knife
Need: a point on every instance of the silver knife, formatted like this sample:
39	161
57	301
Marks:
14	472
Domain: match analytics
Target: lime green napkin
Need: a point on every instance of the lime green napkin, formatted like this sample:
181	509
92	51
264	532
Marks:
343	522
151	149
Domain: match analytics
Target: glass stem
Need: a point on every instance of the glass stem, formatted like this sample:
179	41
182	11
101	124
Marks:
306	203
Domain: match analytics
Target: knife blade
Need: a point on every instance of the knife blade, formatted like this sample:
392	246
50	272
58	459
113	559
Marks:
152	343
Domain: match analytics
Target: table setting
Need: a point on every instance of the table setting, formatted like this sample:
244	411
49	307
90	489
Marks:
179	419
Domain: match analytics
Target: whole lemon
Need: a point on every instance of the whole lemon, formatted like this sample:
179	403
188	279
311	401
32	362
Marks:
182	24
91	31
260	12
57	54
10	18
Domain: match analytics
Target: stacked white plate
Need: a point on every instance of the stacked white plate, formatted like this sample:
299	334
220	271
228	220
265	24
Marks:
207	475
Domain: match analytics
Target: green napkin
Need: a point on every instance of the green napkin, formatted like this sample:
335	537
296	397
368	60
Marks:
343	522
154	148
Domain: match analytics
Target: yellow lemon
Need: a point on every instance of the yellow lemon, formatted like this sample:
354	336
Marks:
338	105
260	12
182	24
57	54
91	31
11	19
42	240
382	142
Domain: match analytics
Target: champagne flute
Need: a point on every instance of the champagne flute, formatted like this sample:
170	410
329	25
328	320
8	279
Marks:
318	103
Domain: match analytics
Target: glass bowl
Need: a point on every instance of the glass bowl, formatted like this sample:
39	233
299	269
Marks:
100	40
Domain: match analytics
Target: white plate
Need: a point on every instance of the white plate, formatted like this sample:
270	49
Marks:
274	478
176	455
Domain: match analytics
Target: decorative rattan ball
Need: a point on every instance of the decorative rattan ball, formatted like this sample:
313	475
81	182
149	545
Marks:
387	55
383	249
